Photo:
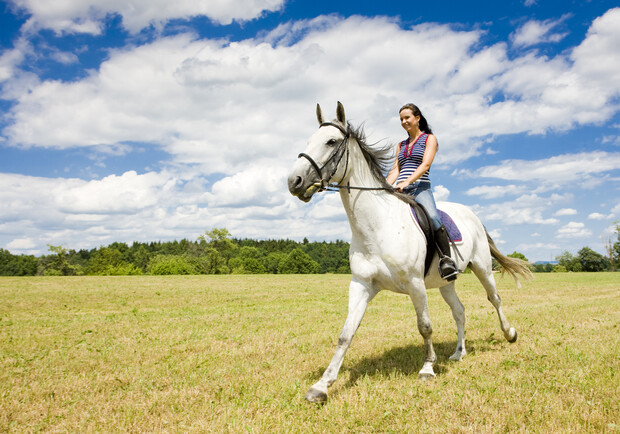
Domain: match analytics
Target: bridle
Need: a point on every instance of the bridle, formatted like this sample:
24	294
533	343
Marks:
336	156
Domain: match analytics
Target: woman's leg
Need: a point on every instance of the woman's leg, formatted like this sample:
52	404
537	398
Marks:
447	267
424	197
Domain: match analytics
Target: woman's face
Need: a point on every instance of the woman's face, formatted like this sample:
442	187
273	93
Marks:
408	121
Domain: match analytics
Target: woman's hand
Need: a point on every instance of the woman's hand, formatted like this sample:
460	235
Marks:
402	185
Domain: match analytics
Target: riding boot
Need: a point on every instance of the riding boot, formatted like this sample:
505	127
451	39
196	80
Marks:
447	266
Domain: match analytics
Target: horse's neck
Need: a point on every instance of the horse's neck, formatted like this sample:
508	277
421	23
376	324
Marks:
369	212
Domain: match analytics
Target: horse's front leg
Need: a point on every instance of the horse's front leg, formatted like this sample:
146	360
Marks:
360	294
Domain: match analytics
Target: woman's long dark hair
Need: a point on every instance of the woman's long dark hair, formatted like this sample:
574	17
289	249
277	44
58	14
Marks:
424	126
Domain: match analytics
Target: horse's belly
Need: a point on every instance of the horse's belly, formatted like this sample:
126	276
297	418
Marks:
391	272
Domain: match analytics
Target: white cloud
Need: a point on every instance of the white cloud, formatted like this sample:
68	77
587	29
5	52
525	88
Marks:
527	209
537	246
599	216
156	206
496	235
253	186
329	207
573	230
593	58
516	216
560	169
495	191
125	194
613	139
21	244
64	57
76	213
441	193
220	105
87	16
11	59
565	211
535	32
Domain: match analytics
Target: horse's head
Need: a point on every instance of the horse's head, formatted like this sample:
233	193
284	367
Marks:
319	164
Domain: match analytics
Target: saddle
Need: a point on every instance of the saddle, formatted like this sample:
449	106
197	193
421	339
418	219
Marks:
421	216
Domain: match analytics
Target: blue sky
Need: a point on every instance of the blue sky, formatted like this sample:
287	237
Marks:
148	120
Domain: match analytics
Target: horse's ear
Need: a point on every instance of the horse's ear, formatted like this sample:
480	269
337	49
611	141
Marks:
319	114
340	113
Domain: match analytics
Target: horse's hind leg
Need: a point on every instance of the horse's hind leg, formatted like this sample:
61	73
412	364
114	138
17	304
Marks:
485	275
420	304
458	313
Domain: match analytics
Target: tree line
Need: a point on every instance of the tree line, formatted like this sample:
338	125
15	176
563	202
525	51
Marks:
587	259
216	252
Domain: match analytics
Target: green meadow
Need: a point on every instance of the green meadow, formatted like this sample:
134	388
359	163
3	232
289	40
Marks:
237	353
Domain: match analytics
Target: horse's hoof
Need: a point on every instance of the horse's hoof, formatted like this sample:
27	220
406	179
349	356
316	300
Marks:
457	357
512	335
316	396
426	373
424	376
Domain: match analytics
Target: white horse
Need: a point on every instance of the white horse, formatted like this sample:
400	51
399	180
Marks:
387	246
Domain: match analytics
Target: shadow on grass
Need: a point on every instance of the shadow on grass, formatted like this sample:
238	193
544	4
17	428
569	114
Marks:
407	360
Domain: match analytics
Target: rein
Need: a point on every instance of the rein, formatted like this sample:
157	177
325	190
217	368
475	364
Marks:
337	187
338	153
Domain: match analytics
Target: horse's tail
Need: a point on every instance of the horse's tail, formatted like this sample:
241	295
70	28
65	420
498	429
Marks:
514	266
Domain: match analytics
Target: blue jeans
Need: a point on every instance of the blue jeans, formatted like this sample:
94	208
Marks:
421	192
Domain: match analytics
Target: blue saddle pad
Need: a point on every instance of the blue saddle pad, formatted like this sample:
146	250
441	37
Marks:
453	230
451	227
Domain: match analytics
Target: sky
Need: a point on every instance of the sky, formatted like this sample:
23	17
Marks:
151	120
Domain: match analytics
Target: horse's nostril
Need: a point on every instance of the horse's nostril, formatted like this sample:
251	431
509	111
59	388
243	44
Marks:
295	184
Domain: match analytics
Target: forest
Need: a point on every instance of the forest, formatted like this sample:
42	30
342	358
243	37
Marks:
216	252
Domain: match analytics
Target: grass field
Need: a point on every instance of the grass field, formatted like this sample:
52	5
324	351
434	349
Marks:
237	353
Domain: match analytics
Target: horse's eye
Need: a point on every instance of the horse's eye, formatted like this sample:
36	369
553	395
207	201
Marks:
331	142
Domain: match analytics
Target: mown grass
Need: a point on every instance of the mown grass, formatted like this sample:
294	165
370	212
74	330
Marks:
237	354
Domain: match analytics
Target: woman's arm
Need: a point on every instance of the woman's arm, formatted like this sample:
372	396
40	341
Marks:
427	161
393	173
395	170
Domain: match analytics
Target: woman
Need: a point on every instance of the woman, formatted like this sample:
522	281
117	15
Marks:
411	174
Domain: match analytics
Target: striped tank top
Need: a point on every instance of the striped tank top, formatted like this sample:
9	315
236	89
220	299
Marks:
410	158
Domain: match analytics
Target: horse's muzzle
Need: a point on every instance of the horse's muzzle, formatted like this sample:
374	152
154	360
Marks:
298	186
295	184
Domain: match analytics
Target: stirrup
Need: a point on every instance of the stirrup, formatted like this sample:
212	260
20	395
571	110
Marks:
447	269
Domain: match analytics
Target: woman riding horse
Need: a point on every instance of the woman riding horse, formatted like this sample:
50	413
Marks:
411	173
388	249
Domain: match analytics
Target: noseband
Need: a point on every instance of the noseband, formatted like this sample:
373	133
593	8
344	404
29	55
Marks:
336	157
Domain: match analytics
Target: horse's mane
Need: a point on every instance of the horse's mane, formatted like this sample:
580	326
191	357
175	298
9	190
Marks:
380	158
